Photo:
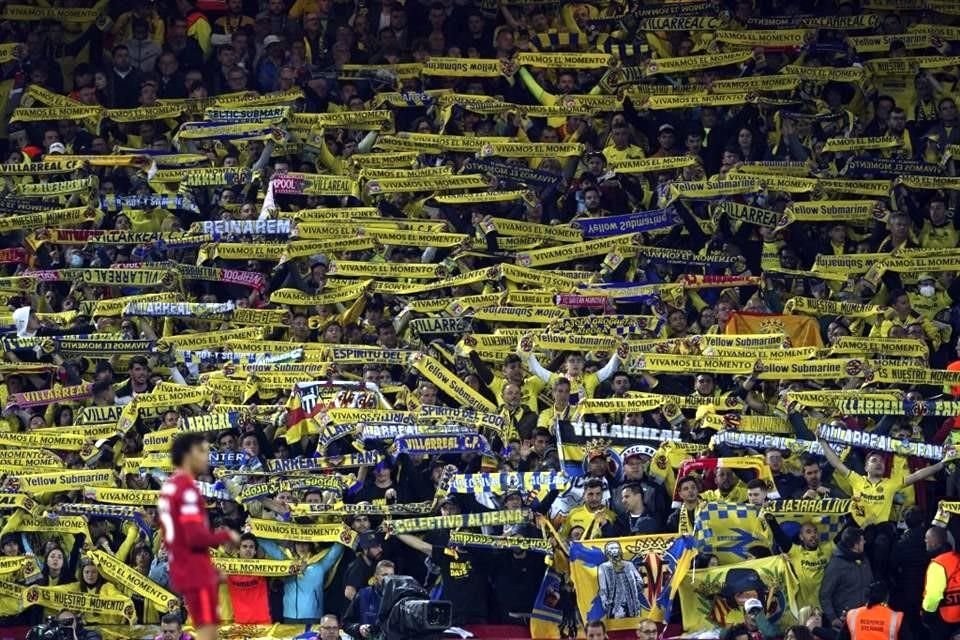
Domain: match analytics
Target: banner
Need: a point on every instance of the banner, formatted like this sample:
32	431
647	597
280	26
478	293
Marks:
713	598
801	331
622	580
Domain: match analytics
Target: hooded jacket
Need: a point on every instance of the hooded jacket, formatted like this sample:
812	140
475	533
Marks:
845	583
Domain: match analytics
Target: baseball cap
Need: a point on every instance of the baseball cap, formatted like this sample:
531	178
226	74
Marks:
272	39
751	604
368	540
665	127
57	147
638	451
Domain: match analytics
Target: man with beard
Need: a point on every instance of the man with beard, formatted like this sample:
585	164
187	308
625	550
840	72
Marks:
808	556
138	381
361	570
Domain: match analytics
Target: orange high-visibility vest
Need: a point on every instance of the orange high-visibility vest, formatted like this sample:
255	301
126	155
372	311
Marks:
879	622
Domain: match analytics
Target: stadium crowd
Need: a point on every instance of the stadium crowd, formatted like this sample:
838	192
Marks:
595	317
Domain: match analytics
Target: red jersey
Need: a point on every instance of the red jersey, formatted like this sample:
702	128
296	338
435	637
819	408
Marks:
250	599
186	533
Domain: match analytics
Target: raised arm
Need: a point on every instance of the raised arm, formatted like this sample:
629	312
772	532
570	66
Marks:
834	459
920	474
537	369
416	543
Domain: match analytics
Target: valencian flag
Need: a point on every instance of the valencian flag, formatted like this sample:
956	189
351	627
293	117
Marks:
713	598
622	580
802	331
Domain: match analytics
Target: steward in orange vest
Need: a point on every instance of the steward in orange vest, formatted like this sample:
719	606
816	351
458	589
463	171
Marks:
875	620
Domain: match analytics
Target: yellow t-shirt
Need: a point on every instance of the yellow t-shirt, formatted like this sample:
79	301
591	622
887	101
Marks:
614	155
737	494
872	501
583	517
809	567
582	386
549	416
945	236
529	391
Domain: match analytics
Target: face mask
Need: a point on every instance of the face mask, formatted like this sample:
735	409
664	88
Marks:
927	290
76	260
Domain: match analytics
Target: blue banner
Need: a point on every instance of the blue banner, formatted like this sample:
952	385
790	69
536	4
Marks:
627	223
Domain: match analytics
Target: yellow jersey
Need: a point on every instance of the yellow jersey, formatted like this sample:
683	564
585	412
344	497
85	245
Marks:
872	501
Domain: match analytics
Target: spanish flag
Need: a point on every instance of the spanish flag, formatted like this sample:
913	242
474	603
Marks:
802	331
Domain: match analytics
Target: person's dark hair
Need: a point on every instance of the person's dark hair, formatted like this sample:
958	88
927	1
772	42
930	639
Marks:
139	360
914	517
118	48
851	536
897	293
800	632
757	483
100	386
540	431
735	632
877	593
511	358
561	381
182	444
898	111
882	97
249	536
634	487
685	479
593	483
808	461
170	618
597	624
938	535
702	560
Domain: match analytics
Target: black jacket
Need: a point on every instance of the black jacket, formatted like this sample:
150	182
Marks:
845	583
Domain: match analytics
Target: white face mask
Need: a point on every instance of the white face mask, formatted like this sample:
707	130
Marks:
76	260
927	290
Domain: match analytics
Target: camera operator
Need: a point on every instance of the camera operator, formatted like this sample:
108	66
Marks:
65	626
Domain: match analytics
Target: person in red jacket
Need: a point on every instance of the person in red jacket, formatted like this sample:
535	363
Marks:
187	535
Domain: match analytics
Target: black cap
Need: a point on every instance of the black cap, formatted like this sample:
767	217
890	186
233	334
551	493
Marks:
368	540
